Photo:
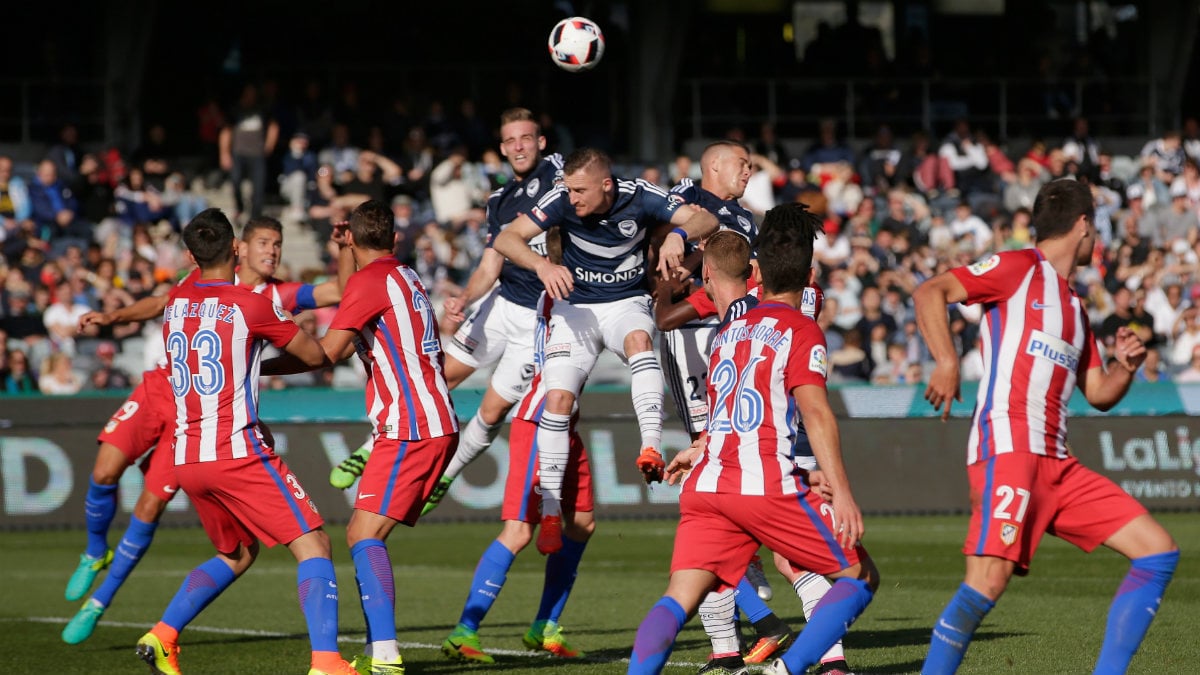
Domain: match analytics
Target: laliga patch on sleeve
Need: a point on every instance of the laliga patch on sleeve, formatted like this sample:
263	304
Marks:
983	266
279	312
817	361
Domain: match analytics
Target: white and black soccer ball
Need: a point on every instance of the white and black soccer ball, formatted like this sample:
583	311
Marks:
576	44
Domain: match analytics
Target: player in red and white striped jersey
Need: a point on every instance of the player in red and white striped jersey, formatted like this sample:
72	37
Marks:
385	315
1024	482
147	419
242	491
765	365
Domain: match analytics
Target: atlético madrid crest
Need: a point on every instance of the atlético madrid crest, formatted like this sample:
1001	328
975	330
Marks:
1008	534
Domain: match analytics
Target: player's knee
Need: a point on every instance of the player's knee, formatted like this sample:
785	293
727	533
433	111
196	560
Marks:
110	465
559	401
149	507
637	342
515	536
580	527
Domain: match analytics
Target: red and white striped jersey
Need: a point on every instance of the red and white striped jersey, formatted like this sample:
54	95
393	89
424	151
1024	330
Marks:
214	334
386	305
755	363
1036	341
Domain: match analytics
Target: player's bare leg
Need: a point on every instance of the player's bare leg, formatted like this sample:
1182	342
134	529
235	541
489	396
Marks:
474	439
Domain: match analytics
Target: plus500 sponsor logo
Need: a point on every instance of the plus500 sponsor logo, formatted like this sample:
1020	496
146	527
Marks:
1054	350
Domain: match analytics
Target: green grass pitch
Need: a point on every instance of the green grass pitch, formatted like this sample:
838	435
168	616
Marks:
1050	622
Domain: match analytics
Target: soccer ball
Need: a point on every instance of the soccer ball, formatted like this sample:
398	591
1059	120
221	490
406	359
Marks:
576	44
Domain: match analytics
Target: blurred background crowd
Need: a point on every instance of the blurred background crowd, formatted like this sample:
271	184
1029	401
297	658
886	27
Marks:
94	226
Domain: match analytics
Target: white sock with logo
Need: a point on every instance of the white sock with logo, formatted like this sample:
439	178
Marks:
646	388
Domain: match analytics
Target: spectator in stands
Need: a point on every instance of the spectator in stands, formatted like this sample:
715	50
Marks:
19	380
1021	192
1152	369
850	362
759	196
15	209
828	148
341	154
879	167
768	145
966	158
970	232
1165	155
138	201
62	317
1190	374
1106	177
416	161
298	175
314	115
408	230
154	157
375	177
107	375
496	173
66	155
181	202
55	209
1082	149
245	144
57	376
891	371
1123	315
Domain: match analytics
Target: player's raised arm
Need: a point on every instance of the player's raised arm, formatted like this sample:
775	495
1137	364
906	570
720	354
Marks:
691	223
142	310
1104	389
513	243
482	279
931	301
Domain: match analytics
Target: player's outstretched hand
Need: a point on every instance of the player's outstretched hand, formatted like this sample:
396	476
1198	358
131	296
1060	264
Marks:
557	280
651	464
1130	350
670	254
943	389
683	463
454	307
818	484
849	520
92	319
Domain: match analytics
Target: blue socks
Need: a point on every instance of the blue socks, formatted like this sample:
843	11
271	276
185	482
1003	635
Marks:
201	587
316	584
561	568
956	625
373	571
99	507
490	575
1133	609
749	603
133	546
656	637
832	616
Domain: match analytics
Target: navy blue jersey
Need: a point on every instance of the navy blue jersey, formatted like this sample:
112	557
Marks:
801	448
729	212
606	252
517	284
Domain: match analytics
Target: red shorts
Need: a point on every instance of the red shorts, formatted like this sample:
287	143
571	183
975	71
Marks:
144	419
1018	496
158	470
402	474
241	500
722	532
523	495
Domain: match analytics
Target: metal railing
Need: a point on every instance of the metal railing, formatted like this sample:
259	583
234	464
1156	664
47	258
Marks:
1006	107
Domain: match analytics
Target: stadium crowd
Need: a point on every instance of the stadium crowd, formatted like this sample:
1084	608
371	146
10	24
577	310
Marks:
95	227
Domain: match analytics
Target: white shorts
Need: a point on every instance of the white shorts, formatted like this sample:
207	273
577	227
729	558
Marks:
579	332
685	365
498	330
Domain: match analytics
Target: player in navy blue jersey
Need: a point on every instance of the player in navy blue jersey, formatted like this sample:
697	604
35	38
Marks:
498	330
601	302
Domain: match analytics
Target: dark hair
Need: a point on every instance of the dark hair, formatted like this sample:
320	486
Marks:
372	223
261	223
1058	205
729	253
785	247
209	237
584	158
